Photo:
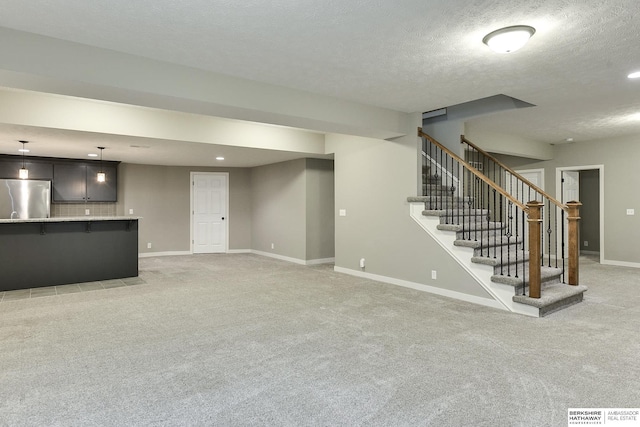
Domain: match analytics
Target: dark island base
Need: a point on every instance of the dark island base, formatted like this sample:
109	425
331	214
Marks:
36	254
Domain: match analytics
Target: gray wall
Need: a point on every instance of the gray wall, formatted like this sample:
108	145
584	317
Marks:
161	195
447	133
320	195
590	210
278	209
373	180
621	175
292	208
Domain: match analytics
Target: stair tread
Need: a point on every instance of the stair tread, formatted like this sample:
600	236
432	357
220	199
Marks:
468	226
483	243
546	275
504	258
455	213
421	199
553	297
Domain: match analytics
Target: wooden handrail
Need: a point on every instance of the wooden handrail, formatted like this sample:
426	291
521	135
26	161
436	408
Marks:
474	171
514	173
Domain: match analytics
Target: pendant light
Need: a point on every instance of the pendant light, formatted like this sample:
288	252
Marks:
24	172
102	177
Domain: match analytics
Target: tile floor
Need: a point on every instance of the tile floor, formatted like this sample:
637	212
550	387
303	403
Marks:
50	291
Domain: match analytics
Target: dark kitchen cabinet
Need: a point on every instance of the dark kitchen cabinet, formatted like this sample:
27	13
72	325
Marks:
102	191
72	180
37	170
77	183
69	182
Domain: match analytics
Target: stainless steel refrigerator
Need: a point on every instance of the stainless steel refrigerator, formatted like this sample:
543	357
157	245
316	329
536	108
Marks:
25	198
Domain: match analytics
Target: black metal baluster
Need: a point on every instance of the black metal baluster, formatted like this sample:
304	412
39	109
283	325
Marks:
549	231
564	279
555	221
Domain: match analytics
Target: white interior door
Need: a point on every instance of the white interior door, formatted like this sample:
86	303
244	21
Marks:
570	182
570	186
209	212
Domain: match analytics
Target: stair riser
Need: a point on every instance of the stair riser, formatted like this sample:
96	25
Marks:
547	277
506	263
500	251
478	235
475	219
548	282
437	186
478	245
445	205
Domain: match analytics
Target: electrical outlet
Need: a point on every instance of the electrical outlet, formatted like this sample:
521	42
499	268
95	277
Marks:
149	245
586	243
631	211
87	212
361	262
434	274
343	212
130	211
273	246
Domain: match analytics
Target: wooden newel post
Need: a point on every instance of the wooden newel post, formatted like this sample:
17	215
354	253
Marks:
535	254
573	216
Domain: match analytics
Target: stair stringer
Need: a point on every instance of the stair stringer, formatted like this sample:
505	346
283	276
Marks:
481	273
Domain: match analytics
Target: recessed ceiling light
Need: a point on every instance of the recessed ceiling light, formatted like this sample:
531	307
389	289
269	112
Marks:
569	140
509	39
92	155
634	75
219	158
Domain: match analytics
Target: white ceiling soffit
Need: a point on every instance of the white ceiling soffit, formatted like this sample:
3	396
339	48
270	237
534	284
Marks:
63	126
412	55
48	142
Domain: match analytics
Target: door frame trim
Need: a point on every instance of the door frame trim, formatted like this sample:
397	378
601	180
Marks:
191	188
600	168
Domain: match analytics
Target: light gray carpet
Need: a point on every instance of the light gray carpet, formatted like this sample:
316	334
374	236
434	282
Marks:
231	340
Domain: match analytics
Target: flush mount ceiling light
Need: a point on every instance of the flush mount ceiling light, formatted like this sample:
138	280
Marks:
219	158
24	172
92	155
509	39
102	177
634	75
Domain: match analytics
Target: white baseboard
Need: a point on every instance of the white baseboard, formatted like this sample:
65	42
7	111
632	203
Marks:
621	263
280	257
294	260
171	253
425	288
320	261
246	251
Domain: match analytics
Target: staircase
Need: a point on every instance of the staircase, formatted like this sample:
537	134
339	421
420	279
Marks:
486	229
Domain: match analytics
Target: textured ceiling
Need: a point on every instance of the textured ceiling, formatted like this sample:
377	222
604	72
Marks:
407	55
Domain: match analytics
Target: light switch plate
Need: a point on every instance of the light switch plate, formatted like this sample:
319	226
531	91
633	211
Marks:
130	211
631	211
87	212
343	212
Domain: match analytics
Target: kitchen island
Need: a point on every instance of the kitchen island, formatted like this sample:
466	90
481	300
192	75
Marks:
57	251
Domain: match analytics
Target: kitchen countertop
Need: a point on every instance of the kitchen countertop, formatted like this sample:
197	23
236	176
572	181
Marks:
72	219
